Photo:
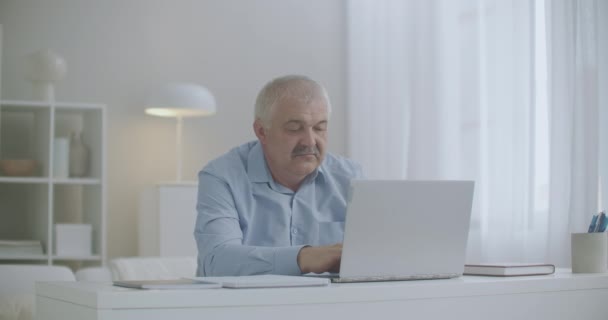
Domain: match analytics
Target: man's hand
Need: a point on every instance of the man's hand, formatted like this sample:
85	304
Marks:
320	259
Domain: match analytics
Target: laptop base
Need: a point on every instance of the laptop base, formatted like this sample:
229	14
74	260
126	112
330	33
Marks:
339	279
335	278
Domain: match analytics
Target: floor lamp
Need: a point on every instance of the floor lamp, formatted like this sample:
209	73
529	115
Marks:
180	100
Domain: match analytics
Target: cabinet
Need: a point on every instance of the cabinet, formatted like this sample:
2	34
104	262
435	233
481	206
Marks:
167	214
31	206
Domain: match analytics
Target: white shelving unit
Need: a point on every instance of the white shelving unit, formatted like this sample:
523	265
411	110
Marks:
31	206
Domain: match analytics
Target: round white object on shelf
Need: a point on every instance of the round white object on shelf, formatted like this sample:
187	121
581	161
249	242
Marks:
43	68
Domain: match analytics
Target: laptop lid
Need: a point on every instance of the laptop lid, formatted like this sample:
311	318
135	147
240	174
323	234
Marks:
406	229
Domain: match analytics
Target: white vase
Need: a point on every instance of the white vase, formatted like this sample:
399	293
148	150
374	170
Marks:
44	68
60	157
43	91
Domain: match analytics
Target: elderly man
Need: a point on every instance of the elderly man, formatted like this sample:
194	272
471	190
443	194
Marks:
276	205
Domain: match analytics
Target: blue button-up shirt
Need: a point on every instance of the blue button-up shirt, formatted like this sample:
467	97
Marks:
249	224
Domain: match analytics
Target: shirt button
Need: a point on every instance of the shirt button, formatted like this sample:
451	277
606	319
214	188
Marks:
294	231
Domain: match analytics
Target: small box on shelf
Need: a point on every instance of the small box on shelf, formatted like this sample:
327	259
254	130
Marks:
73	239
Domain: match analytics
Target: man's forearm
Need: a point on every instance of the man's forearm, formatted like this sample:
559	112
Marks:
237	260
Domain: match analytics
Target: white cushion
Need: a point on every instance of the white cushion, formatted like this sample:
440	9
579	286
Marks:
16	278
95	274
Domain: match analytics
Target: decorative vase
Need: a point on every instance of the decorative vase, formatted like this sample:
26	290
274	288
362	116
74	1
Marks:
79	156
44	68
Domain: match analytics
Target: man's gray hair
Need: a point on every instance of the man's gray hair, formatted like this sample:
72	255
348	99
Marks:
290	86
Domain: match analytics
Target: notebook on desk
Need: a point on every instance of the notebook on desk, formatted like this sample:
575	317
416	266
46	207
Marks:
405	230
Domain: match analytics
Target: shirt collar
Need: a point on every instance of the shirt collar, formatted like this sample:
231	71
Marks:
258	171
256	165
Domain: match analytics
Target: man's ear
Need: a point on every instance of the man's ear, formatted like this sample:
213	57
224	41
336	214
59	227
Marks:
259	130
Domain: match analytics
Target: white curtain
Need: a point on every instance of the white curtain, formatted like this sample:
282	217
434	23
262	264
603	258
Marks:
576	43
444	89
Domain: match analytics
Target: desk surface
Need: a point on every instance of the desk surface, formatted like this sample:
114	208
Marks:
104	295
559	296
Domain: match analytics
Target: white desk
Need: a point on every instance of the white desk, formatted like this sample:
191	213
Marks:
559	296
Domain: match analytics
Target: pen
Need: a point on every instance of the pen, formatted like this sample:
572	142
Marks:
604	223
600	221
593	223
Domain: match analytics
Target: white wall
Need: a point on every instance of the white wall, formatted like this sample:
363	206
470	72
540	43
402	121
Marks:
117	50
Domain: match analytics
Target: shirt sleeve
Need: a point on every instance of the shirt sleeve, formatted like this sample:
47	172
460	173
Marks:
220	240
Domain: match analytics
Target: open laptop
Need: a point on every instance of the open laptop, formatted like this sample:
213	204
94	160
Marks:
405	230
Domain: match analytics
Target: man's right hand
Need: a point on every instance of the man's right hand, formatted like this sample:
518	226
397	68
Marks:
320	259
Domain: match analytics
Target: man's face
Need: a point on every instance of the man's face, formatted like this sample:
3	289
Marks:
294	144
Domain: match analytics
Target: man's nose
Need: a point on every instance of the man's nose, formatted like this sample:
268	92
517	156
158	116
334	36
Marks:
308	138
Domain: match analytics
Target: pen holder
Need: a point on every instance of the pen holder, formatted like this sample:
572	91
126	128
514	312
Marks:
589	252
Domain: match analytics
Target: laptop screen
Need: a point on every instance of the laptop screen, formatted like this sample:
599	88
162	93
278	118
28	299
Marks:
406	228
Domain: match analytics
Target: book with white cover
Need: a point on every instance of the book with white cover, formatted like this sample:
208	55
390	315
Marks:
20	247
509	269
267	281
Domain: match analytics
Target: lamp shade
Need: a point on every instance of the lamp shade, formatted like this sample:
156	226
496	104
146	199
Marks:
181	100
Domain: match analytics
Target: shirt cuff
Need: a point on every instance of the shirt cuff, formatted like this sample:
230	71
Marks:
286	260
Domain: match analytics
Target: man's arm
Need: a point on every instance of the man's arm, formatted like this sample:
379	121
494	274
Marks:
220	240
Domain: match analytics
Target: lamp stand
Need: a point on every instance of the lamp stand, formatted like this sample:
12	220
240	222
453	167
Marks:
178	147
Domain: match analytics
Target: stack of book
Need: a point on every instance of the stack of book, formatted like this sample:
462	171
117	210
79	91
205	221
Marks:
19	248
509	269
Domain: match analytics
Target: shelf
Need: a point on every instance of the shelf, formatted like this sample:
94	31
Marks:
23	108
45	104
23	257
31	206
31	180
43	180
79	258
77	181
